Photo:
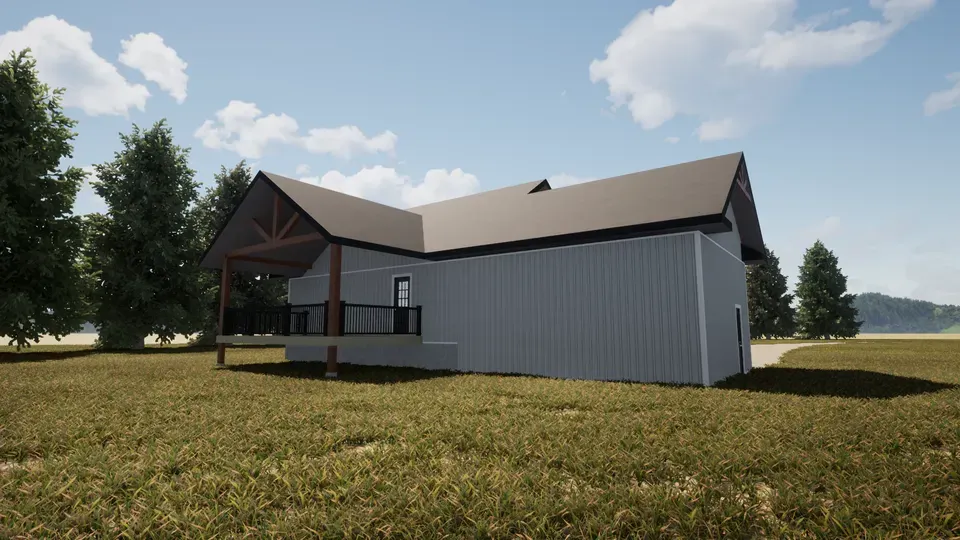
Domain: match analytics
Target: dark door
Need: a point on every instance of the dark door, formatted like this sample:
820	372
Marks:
401	299
740	338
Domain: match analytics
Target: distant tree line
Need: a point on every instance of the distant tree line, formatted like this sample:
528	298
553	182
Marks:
132	271
824	309
887	314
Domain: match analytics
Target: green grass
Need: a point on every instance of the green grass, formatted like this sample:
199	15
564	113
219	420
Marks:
787	341
859	439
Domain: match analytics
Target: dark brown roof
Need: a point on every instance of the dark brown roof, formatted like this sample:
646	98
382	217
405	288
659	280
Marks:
689	196
669	194
345	216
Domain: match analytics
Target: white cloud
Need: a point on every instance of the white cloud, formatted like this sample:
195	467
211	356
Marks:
348	141
65	58
718	130
387	186
672	140
943	100
724	59
564	179
88	202
242	128
157	62
303	169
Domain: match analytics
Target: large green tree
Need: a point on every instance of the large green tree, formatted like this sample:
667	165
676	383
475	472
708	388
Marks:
771	309
144	251
40	238
826	309
212	212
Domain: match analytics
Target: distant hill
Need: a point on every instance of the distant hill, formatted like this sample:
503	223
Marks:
889	315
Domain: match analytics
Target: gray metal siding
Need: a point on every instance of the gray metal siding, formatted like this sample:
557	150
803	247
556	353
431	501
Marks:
730	240
360	259
724	287
617	311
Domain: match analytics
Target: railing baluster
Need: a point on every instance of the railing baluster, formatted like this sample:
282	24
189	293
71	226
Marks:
311	319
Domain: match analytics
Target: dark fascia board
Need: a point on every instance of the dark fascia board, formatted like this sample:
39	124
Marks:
581	238
751	256
726	204
733	185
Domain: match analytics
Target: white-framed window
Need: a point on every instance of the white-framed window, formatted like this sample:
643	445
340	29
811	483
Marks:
402	288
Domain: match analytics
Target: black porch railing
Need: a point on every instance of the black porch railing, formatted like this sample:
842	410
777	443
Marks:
370	319
311	320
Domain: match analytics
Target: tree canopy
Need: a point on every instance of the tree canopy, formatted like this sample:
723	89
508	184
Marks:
771	310
826	310
144	252
40	238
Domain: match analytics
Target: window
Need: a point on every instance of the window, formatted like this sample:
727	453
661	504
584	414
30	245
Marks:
401	291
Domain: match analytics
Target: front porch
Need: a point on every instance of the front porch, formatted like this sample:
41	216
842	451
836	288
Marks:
271	233
309	324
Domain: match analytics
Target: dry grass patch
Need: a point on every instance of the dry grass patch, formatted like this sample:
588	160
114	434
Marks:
858	440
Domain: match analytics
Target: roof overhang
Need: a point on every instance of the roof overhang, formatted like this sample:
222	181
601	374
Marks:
741	198
266	234
282	226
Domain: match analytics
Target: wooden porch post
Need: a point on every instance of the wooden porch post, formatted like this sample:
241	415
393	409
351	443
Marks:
225	278
333	310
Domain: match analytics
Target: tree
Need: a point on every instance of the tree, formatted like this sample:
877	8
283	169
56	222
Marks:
826	309
144	252
40	238
770	305
212	213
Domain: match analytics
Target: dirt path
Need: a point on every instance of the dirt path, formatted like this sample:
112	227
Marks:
767	354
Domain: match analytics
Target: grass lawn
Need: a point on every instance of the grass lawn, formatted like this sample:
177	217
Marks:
858	439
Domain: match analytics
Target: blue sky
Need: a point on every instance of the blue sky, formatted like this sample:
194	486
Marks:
846	110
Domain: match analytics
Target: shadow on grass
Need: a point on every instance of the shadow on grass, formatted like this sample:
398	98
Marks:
44	353
351	373
852	383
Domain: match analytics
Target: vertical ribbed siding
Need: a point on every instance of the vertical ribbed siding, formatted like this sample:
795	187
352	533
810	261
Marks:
618	311
724	286
360	259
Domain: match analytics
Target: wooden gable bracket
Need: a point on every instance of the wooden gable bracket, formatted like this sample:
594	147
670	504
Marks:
274	233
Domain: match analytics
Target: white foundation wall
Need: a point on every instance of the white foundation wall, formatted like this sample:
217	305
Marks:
624	310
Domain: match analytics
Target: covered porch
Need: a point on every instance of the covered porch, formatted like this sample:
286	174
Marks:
275	231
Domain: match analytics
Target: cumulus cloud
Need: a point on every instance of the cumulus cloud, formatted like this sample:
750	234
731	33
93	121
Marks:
348	141
158	63
387	186
943	100
65	58
718	130
721	60
241	127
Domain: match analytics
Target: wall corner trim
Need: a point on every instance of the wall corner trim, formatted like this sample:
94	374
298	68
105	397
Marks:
704	362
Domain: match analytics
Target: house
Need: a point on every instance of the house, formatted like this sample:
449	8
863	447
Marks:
639	277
